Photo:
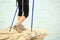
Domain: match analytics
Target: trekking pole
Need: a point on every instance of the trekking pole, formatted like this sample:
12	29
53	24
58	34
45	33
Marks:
13	18
32	15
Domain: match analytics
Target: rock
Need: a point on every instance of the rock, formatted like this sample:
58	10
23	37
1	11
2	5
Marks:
25	35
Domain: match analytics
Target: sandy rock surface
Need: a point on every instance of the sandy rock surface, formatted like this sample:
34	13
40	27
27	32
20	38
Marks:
25	35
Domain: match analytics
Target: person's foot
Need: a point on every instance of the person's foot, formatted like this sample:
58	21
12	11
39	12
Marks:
19	28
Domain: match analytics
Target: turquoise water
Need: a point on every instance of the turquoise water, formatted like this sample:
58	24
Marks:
46	15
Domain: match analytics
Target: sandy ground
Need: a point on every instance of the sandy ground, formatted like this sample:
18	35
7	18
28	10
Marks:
25	35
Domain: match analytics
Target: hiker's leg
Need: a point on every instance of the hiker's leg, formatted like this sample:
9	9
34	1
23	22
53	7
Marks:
20	9
21	17
26	8
26	11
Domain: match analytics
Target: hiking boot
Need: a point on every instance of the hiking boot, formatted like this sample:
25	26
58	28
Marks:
19	28
22	27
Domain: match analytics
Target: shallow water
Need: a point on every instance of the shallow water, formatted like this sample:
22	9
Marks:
46	15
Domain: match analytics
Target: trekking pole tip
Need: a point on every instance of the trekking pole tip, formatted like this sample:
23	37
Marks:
9	30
